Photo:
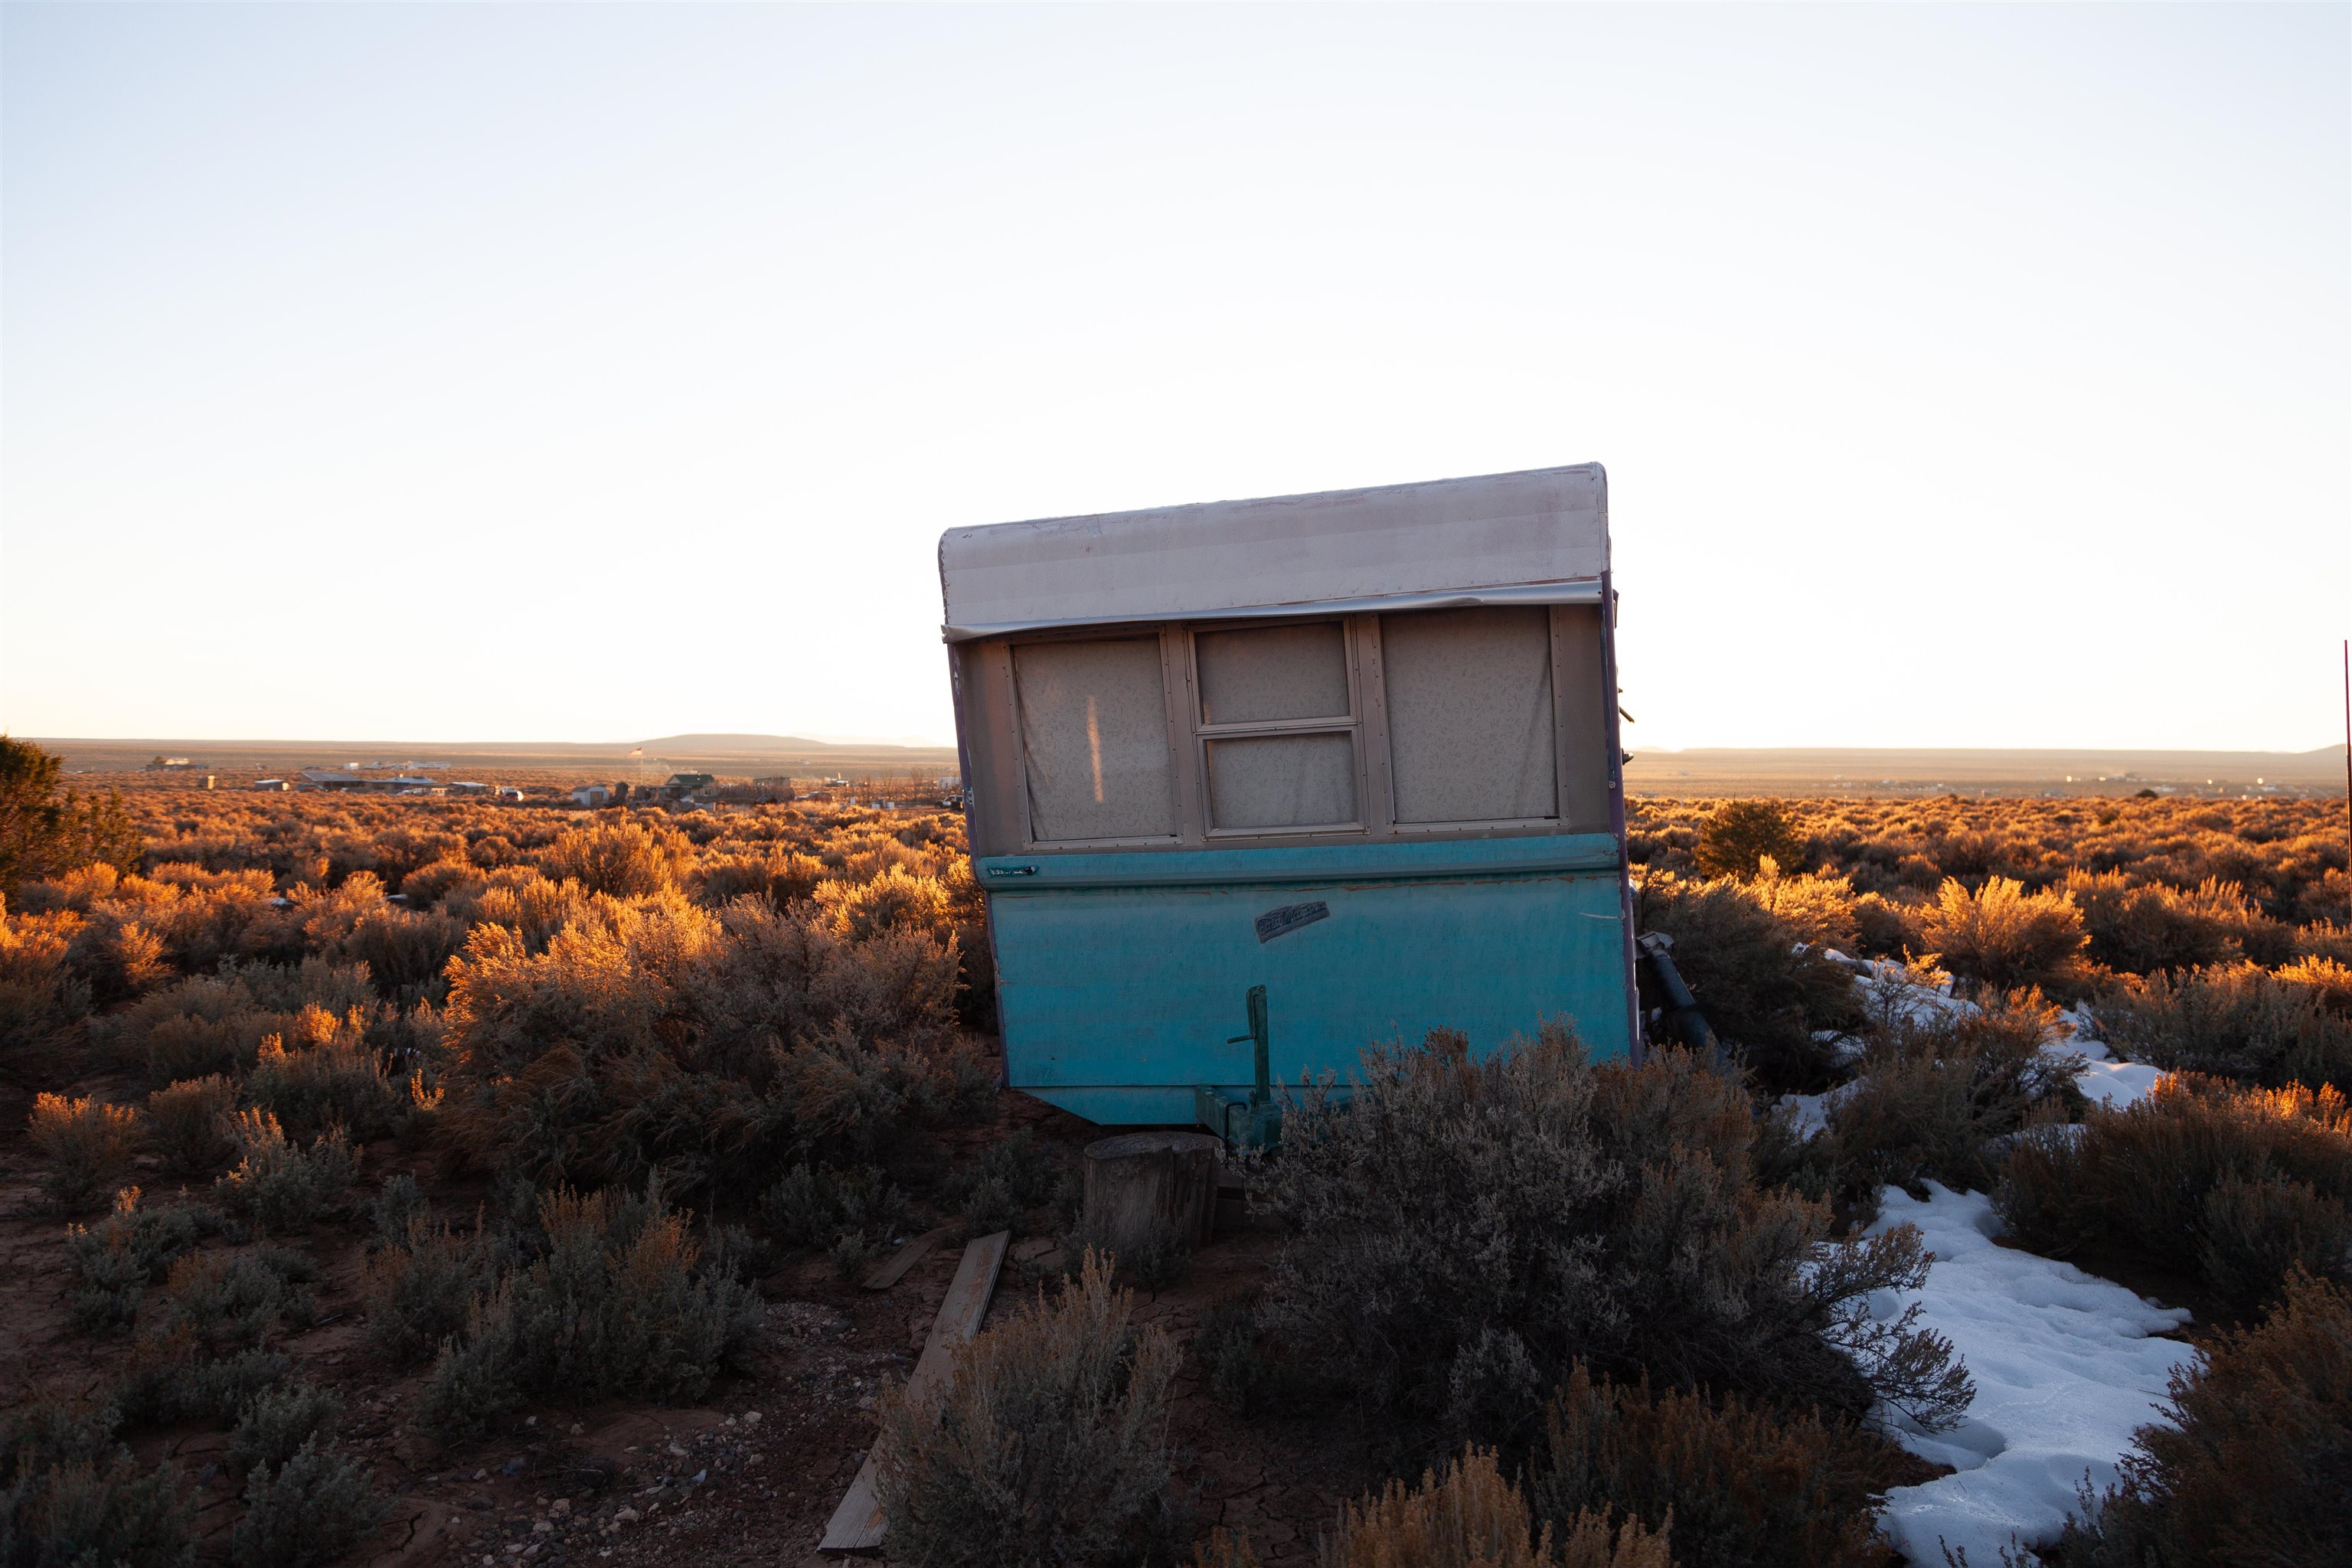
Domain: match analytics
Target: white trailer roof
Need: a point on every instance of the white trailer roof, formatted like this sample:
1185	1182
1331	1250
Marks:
1538	537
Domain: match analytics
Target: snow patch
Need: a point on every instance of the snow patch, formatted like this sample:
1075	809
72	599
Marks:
2117	1084
2064	1369
1809	1113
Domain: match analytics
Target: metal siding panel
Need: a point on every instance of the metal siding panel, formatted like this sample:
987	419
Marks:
1137	988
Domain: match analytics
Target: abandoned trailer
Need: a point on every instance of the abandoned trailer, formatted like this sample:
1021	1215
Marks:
1256	783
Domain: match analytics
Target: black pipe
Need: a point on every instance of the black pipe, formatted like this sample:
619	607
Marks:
1682	1013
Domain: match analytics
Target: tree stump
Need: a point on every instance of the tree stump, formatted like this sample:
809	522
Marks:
1144	1190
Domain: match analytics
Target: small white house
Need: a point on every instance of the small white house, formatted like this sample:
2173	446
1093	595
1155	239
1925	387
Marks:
591	795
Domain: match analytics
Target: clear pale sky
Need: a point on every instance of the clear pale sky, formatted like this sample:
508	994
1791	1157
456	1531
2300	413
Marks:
1965	376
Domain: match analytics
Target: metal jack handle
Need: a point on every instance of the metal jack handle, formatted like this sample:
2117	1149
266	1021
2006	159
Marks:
1264	1093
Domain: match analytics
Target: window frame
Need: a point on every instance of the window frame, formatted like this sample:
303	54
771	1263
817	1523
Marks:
1367	726
1203	734
1019	752
1555	628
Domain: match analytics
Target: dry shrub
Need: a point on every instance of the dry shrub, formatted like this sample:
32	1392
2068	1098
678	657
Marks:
321	919
1822	909
2236	1020
1762	992
279	1185
1740	835
201	1353
1737	1486
277	1422
2328	980
308	1509
2002	936
1882	929
115	1260
226	1301
216	1023
621	860
421	1288
88	1146
1010	1179
2326	939
1467	1230
850	1214
40	997
895	900
1935	1093
2253	1466
518	899
2142	928
49	1427
613	1303
2242	1186
184	917
406	950
780	877
200	1027
329	1077
1046	1444
1471	1517
188	1124
426	886
169	1380
663	1035
78	1512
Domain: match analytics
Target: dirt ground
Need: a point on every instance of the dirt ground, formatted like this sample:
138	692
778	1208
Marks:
750	1477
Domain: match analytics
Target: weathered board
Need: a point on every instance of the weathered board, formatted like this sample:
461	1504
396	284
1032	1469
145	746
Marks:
893	1269
857	1525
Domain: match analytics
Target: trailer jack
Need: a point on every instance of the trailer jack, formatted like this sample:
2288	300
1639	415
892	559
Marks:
1252	1120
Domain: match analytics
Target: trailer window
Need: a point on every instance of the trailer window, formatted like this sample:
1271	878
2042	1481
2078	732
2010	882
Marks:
1470	714
1283	781
1094	740
1277	724
1273	673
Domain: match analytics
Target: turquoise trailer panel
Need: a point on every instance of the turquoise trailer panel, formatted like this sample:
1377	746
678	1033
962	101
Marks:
1121	976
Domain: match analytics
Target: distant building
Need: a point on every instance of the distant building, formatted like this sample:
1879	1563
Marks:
593	795
467	786
273	785
682	786
347	782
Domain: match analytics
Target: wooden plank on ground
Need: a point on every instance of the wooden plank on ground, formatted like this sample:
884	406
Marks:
893	1269
856	1525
